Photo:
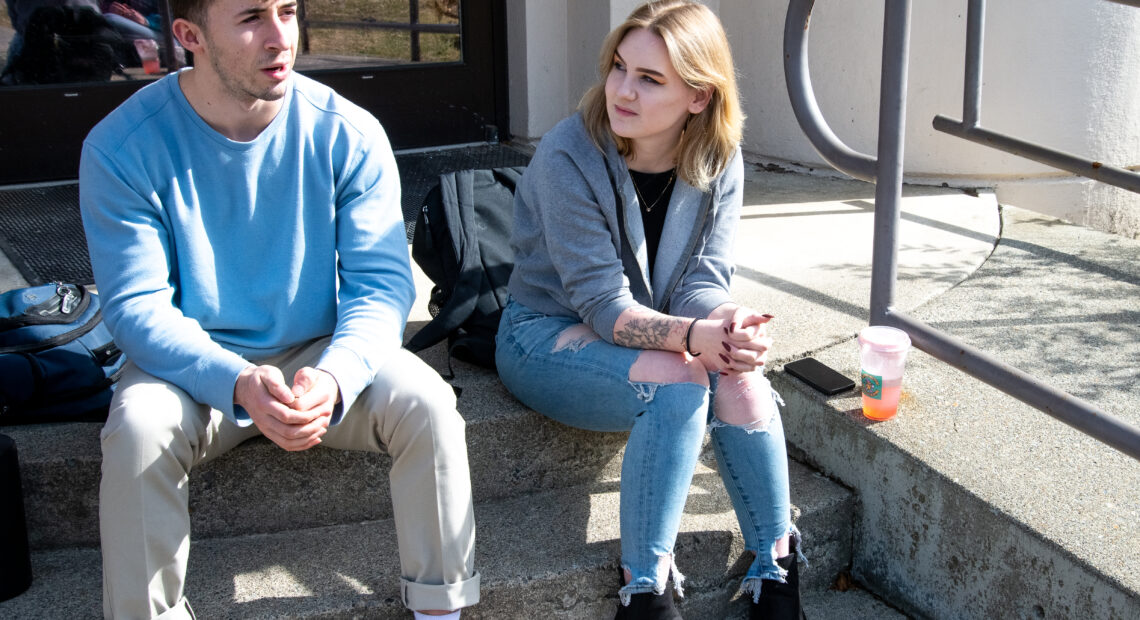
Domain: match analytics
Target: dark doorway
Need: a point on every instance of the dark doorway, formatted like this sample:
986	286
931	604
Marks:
432	71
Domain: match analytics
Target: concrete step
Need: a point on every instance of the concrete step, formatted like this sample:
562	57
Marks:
547	553
511	449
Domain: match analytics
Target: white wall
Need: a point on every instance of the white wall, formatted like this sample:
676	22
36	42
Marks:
1061	73
537	65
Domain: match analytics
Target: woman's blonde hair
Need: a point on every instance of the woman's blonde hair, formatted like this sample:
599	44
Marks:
699	51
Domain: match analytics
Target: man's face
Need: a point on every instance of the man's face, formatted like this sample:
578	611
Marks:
251	46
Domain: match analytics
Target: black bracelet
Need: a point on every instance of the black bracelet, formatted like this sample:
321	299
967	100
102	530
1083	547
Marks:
688	341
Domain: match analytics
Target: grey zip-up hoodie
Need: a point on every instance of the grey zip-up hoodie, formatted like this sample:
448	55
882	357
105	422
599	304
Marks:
570	259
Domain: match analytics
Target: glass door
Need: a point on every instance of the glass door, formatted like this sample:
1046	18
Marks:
432	71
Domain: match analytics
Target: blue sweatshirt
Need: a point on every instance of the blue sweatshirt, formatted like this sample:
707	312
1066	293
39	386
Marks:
210	254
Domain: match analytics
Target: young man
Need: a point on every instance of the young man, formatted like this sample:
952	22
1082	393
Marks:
246	236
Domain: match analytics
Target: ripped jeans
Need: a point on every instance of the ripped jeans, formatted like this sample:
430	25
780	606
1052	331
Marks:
583	381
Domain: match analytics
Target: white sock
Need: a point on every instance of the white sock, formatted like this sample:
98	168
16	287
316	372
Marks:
451	616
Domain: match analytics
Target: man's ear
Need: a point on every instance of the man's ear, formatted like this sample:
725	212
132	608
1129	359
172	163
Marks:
188	34
701	100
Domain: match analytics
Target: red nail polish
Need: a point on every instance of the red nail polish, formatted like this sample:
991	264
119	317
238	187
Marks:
726	347
732	327
725	358
768	316
725	330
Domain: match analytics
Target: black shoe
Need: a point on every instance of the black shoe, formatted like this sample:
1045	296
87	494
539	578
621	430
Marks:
780	601
648	605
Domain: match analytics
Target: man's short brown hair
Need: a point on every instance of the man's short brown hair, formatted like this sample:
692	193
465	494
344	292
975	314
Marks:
191	10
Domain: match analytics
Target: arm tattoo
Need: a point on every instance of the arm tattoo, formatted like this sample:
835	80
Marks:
644	333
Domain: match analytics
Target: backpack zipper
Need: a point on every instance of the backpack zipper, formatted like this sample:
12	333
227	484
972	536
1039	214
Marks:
75	334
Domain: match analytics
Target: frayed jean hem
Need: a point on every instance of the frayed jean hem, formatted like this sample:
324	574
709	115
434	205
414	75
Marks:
643	585
771	571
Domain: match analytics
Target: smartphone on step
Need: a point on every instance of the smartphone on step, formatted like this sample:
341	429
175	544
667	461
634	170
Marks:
819	376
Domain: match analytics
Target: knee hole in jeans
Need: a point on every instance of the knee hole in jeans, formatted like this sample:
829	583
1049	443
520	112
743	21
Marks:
575	338
742	402
667	367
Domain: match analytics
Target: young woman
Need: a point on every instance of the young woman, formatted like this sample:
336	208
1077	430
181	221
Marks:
623	240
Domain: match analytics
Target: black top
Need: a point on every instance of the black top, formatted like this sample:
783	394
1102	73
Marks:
654	189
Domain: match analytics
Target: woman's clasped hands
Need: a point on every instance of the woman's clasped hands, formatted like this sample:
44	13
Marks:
731	340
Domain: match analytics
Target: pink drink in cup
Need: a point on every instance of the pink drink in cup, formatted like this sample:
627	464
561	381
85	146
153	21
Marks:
882	356
148	54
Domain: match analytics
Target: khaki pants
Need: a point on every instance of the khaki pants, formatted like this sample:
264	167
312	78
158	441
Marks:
155	434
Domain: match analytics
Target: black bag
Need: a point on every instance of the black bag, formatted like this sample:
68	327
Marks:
68	44
57	359
15	561
462	242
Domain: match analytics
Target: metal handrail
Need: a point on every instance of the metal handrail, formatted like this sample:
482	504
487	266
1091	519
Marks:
833	151
885	171
969	127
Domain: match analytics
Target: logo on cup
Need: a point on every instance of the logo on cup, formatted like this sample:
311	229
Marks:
872	385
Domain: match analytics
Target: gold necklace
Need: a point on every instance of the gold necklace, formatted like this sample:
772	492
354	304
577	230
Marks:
641	198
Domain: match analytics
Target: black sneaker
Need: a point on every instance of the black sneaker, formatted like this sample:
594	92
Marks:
647	605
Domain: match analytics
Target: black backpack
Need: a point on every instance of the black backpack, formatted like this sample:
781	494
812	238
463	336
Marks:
462	242
68	44
57	359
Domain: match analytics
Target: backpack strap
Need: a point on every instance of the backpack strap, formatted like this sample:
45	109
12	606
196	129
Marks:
464	247
458	211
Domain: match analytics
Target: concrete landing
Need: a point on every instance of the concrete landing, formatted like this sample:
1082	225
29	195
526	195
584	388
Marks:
970	495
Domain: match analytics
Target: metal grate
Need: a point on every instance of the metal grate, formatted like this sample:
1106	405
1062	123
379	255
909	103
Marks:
41	232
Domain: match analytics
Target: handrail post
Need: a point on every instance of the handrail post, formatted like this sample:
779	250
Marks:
892	130
972	85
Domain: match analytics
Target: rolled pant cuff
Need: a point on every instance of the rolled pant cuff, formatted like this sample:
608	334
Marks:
448	597
181	611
